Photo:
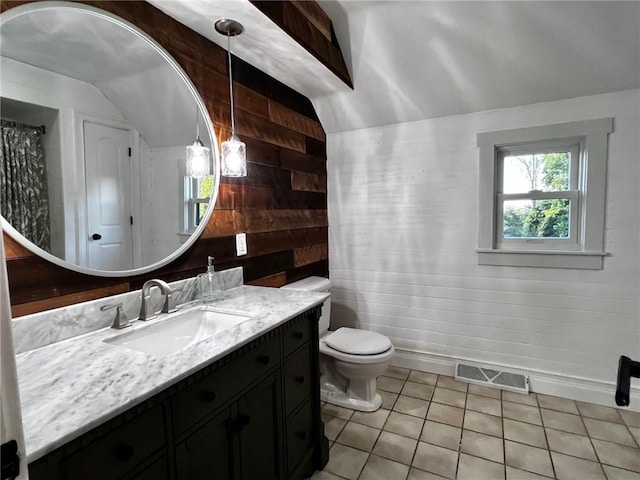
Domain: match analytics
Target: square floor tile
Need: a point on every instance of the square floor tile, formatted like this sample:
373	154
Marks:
484	391
358	436
556	403
372	419
402	424
612	432
332	426
417	474
445	414
449	397
388	399
395	447
614	473
423	377
571	468
571	444
418	390
411	406
617	455
451	384
525	457
483	423
434	459
531	399
515	474
483	446
521	412
632	419
599	412
388	384
378	468
442	435
322	475
336	411
524	433
345	461
490	406
397	372
472	468
562	421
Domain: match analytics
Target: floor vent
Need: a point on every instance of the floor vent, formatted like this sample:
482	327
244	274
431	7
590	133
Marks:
492	377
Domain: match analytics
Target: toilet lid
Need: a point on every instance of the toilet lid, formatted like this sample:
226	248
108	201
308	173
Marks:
358	342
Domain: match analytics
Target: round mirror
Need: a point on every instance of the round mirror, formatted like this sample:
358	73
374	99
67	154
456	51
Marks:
96	118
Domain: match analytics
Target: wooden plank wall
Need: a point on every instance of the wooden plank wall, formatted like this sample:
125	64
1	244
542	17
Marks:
281	204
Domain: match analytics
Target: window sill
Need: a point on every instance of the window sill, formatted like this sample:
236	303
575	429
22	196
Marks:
542	259
184	236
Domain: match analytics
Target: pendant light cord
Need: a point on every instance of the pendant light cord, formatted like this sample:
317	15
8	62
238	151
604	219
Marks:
233	123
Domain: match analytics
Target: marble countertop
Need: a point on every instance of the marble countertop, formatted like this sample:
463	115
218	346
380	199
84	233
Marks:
69	387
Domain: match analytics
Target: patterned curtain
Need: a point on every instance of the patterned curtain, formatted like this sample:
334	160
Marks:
24	202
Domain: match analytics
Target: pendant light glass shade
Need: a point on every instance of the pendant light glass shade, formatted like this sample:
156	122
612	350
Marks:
234	158
198	164
197	159
234	152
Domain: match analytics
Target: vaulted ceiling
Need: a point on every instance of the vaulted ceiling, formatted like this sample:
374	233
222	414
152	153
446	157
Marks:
412	60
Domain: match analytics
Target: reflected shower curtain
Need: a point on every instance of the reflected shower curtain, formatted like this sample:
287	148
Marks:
24	202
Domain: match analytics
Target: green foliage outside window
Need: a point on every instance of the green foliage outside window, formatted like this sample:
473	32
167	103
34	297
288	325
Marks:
542	218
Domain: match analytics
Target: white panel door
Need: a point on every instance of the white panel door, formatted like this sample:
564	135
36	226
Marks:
107	170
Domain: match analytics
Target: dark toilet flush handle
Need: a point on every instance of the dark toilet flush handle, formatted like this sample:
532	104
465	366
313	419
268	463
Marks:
96	236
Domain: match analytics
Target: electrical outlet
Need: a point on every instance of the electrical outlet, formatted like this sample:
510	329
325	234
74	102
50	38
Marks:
241	244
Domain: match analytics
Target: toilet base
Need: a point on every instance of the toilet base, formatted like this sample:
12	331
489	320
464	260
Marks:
331	394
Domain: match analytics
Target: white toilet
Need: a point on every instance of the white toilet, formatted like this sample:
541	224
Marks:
350	359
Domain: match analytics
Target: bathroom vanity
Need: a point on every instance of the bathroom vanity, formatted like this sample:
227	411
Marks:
243	403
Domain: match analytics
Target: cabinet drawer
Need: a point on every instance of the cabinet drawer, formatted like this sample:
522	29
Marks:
197	401
295	336
299	436
116	454
297	378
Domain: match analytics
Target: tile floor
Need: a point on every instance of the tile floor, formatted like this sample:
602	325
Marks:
432	427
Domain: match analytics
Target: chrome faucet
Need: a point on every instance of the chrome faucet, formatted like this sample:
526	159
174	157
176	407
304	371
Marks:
169	302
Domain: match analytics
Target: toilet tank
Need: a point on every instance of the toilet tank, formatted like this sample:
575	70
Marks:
316	284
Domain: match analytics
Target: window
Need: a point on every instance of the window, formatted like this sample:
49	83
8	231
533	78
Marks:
542	194
198	193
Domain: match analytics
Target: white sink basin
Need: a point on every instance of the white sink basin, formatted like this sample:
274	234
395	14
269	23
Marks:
177	331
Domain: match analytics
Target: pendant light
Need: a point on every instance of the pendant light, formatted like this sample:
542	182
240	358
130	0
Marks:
234	152
197	160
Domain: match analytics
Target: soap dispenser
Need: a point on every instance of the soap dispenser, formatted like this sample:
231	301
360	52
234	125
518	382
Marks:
209	284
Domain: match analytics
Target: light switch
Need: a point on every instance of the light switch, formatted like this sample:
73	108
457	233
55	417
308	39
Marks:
241	244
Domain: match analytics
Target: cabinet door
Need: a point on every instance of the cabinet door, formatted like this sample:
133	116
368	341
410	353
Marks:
260	429
208	452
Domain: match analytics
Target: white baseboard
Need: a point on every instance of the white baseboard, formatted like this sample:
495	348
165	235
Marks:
590	391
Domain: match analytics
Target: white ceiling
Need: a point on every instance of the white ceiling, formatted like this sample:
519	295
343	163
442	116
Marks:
413	60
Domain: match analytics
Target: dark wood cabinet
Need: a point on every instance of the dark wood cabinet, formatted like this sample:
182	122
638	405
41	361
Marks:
252	415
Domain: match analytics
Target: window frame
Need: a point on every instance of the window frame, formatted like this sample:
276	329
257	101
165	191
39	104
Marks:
192	203
586	250
575	148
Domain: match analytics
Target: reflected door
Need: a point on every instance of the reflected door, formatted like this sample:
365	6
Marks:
107	170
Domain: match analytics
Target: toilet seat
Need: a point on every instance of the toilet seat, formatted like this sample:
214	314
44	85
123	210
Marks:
358	342
325	349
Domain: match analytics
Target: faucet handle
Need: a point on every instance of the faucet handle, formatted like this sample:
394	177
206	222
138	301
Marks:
121	320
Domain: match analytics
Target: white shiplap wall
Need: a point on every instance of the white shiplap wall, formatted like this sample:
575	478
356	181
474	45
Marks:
403	232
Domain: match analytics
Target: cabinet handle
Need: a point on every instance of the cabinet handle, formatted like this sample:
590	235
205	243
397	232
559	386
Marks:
301	435
299	379
208	396
123	452
298	335
263	359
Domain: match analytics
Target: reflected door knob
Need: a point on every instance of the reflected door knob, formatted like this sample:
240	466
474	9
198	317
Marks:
96	236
